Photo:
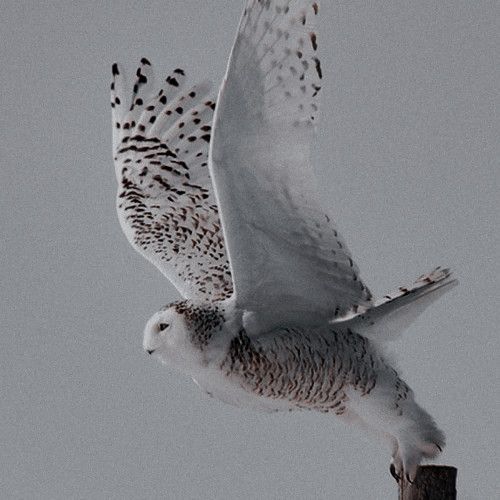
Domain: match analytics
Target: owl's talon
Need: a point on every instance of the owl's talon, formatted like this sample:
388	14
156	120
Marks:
394	474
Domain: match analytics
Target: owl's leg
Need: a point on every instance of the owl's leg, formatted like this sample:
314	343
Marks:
391	409
352	418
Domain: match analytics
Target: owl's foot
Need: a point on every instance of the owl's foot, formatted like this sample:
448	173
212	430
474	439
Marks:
407	458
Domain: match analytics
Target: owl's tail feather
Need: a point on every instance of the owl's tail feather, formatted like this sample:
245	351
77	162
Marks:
394	313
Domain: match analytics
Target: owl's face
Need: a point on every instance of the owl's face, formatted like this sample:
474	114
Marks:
167	337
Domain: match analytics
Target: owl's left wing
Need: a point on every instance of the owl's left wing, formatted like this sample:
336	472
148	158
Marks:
288	260
166	204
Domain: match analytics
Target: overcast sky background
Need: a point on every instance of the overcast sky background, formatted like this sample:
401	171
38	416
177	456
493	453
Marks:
408	160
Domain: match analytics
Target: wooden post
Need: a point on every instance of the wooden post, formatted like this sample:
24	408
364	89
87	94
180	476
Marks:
433	482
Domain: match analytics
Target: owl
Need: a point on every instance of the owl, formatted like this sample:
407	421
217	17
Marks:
220	196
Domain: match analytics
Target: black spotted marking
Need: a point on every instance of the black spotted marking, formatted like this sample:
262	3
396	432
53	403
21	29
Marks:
141	79
172	81
314	41
316	88
318	67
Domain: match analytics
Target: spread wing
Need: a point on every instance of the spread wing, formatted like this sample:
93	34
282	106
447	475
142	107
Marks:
287	258
165	201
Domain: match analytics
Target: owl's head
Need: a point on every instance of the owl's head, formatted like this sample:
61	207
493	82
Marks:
179	333
167	337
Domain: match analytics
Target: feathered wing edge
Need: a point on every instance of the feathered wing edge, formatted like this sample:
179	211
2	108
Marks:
393	314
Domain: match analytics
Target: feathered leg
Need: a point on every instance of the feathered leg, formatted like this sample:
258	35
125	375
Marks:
391	409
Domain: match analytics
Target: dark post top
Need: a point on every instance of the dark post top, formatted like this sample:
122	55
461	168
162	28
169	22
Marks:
433	482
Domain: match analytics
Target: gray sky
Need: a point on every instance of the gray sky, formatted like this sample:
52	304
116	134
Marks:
408	160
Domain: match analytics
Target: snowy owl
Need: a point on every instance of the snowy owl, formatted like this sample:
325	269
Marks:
220	196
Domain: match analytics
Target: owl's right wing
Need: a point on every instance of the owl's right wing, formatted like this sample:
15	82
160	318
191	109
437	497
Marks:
288	260
166	204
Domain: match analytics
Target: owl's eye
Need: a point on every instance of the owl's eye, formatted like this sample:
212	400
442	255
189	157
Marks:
163	326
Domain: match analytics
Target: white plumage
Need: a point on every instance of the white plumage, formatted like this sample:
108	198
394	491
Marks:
275	315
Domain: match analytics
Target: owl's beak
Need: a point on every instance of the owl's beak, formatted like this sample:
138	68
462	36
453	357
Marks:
150	351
